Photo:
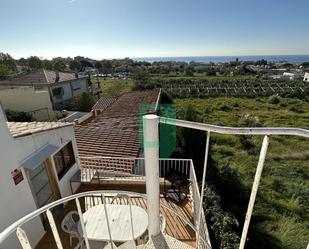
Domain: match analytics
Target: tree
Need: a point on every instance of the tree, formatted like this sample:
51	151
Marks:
84	102
85	63
190	142
75	65
106	66
98	65
141	79
35	62
189	71
7	66
58	65
47	64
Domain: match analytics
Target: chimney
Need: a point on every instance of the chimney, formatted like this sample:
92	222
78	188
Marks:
57	76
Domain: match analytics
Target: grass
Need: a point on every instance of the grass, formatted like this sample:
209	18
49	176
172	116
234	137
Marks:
283	195
113	86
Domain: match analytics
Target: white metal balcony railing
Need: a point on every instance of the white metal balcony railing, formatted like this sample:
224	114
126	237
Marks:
105	197
185	165
101	169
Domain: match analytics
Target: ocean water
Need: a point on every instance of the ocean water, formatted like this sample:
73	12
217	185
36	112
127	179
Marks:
216	59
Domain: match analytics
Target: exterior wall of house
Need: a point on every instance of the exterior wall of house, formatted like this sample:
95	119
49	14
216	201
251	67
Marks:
59	137
22	99
306	77
16	200
69	91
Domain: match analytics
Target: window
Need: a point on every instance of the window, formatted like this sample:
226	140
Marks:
41	185
64	160
57	92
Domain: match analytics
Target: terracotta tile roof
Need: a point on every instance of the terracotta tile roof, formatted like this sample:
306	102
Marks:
104	102
115	131
39	77
132	103
19	129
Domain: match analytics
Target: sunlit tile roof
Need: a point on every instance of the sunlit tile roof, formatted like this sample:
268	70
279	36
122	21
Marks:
115	131
19	129
39	77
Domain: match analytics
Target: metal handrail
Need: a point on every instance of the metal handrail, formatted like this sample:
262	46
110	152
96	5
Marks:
236	130
16	225
266	132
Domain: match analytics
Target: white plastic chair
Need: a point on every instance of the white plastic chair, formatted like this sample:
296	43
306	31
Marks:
70	226
162	223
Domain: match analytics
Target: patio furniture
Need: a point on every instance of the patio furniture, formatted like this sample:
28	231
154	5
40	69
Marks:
180	184
130	245
70	226
95	245
162	223
162	228
119	222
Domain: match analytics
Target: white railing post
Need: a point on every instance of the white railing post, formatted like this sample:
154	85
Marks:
107	222
82	223
254	190
23	239
151	147
54	229
200	210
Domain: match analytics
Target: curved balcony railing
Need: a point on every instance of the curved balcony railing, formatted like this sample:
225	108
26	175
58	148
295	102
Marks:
22	236
249	131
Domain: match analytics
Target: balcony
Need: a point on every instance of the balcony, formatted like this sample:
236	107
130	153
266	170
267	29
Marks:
168	222
98	175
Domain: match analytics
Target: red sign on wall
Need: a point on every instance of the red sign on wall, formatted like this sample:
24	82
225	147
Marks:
17	176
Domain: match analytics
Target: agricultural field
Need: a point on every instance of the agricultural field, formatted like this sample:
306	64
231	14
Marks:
200	87
113	86
281	213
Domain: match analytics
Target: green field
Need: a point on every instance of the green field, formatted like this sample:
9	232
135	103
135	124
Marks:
281	213
113	86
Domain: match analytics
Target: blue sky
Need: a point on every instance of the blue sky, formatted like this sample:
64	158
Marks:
142	28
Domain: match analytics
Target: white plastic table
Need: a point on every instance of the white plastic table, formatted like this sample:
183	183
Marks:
119	222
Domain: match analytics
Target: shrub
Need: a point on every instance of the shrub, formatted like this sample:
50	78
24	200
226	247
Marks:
84	102
225	108
250	121
274	99
16	116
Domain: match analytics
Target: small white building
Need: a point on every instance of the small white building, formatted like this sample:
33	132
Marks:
291	76
306	77
20	98
61	87
38	159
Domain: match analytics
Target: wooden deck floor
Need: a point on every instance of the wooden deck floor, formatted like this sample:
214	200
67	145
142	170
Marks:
175	227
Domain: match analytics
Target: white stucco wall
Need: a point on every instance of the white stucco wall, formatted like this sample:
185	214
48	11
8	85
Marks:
79	86
17	201
27	99
59	137
306	77
70	90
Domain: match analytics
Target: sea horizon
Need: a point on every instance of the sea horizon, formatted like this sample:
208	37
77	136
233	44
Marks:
223	58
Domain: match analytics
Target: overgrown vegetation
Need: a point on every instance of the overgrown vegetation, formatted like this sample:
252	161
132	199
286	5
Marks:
83	102
280	218
16	116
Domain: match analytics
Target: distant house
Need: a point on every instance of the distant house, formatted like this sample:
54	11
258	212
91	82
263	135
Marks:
21	98
38	161
291	76
62	87
306	77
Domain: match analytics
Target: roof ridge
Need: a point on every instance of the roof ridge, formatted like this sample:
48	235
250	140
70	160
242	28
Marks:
45	76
